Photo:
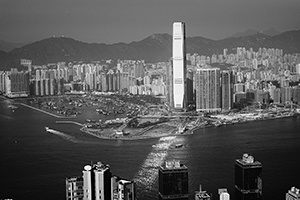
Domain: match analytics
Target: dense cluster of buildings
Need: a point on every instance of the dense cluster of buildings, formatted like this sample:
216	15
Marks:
98	183
262	76
187	80
59	78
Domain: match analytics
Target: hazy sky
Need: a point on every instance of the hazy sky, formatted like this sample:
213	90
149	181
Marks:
112	21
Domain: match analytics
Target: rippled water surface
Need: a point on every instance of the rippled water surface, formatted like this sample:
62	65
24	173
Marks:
35	163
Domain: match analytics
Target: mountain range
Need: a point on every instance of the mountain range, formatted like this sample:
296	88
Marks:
8	46
155	48
249	32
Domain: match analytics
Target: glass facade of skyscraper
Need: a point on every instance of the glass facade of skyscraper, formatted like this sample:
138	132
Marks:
248	182
173	181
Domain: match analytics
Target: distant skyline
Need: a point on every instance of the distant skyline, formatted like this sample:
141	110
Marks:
113	21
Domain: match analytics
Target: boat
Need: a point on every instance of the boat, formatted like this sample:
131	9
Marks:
217	124
178	145
47	128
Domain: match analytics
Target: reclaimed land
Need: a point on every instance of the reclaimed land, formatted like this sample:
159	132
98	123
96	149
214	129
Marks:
154	131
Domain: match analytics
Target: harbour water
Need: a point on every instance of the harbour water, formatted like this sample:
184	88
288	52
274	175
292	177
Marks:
35	163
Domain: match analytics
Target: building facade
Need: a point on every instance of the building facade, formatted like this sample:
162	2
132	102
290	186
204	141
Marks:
226	92
293	194
179	66
74	188
208	91
96	182
248	182
173	181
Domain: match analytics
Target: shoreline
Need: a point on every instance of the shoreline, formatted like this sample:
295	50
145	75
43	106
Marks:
145	133
188	132
43	111
133	137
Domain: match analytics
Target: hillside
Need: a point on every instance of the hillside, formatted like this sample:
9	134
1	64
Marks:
155	48
249	32
8	46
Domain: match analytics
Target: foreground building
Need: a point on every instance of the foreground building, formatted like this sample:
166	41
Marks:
173	181
293	194
201	195
74	188
248	182
96	182
122	189
223	194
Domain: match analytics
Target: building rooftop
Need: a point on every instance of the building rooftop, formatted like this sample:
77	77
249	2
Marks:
100	166
173	164
222	190
74	179
247	159
122	181
294	192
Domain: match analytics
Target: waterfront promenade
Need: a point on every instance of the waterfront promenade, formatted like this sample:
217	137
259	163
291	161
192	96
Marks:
43	111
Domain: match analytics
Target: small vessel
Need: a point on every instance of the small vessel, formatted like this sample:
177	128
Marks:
178	145
217	124
47	128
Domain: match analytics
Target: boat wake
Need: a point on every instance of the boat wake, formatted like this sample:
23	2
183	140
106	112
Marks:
62	135
149	170
6	117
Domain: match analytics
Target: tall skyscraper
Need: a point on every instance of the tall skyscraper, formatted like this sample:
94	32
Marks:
173	181
96	182
248	182
179	66
208	97
293	194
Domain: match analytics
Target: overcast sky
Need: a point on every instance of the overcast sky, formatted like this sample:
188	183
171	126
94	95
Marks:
112	21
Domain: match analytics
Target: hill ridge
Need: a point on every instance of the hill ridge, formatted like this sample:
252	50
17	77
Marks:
154	48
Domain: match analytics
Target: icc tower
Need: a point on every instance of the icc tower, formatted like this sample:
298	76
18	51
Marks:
179	66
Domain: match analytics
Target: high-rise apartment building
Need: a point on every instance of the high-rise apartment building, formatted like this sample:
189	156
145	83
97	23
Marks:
248	182
208	95
96	182
16	83
173	181
179	66
2	81
226	84
169	84
293	194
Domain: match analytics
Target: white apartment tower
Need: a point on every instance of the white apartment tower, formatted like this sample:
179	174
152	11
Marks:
179	65
96	182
